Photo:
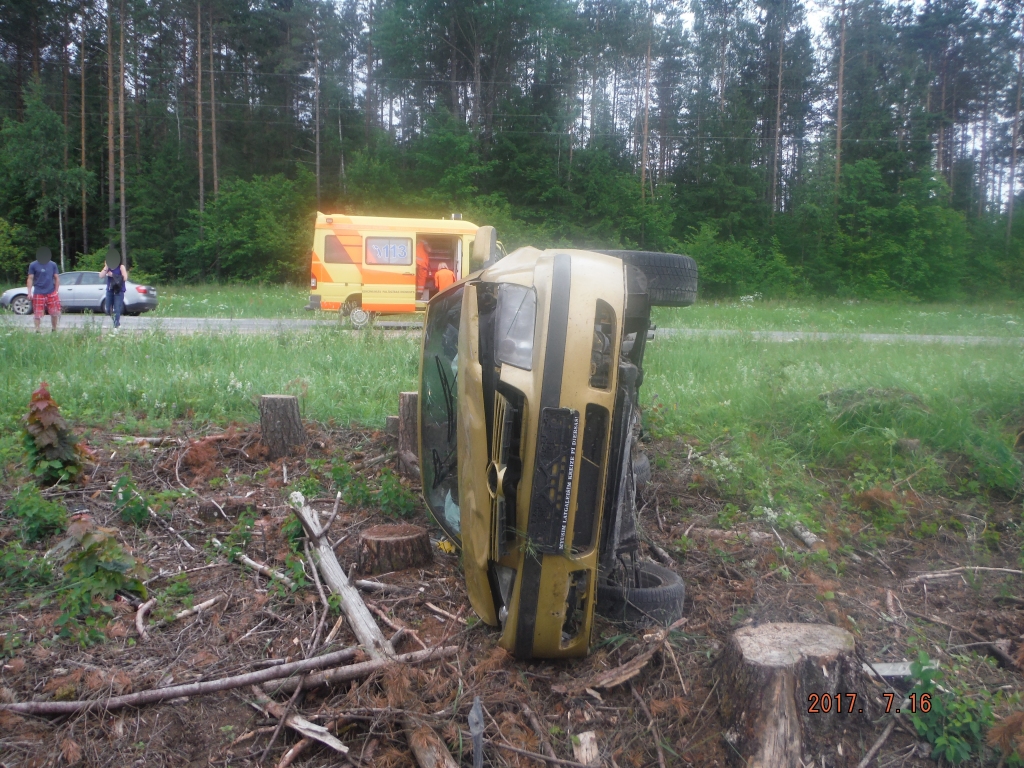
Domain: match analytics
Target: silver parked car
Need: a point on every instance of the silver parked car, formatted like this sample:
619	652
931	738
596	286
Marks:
84	291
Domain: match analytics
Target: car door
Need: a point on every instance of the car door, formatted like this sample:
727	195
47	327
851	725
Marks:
68	291
389	273
90	291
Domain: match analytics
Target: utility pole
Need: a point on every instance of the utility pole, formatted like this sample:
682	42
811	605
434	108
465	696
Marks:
213	115
839	101
120	110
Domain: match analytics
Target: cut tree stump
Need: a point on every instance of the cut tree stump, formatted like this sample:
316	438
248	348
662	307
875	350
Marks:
772	675
408	434
386	548
281	424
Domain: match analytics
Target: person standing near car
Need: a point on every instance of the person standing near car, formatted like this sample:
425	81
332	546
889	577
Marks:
43	284
117	276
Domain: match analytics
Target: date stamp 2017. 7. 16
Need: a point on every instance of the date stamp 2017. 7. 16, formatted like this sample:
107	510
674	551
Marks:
846	703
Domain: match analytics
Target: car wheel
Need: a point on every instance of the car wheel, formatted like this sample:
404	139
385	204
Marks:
671	277
21	305
359	318
656	595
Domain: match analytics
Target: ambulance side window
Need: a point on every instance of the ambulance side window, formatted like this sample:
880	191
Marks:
335	252
392	251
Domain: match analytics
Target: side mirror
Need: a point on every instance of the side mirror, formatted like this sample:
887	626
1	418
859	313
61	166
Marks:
485	248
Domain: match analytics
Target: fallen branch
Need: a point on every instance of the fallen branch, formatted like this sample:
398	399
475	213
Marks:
188	611
445	614
994	649
359	617
652	724
542	734
374	461
808	538
754	537
297	723
387	589
877	745
165	524
427	747
270	573
154	695
936	575
140	618
527	753
363	669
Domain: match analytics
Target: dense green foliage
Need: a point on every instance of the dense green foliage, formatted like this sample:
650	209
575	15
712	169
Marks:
710	127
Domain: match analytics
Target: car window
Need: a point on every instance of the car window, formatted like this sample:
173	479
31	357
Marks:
439	409
394	251
336	253
91	278
69	278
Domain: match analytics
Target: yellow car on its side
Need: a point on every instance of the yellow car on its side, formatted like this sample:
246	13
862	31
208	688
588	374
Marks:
529	426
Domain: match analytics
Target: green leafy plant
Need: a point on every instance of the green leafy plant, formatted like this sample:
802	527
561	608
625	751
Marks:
394	498
129	501
38	518
21	569
53	452
341	473
96	568
293	532
309	486
358	493
955	719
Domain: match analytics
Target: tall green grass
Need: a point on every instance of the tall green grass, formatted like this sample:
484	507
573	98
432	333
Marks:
120	380
854	316
776	409
241	301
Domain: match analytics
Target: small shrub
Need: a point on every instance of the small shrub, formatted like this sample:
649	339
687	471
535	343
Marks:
128	501
309	487
21	569
53	452
341	473
95	570
38	517
394	498
358	493
293	532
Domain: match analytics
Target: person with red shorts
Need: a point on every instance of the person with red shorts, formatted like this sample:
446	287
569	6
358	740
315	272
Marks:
43	287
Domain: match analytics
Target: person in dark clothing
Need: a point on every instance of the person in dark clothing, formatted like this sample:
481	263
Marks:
117	276
43	284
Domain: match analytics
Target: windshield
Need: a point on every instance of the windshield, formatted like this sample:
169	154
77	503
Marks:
439	410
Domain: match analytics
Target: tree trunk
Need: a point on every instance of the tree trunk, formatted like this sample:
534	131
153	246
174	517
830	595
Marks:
199	110
776	682
281	424
316	111
839	97
213	115
110	119
408	434
1016	135
647	104
386	548
85	212
120	142
778	122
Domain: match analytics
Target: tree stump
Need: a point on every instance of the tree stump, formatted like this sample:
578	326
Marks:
773	677
391	426
408	434
386	548
281	424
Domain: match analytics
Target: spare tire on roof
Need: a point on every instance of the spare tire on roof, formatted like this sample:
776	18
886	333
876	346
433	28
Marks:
671	277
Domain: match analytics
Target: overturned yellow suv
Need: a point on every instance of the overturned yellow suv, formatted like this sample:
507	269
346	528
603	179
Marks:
529	426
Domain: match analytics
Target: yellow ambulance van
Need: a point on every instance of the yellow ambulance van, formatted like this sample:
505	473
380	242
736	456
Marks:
366	265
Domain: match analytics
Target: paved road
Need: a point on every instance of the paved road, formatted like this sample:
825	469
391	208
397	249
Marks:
178	325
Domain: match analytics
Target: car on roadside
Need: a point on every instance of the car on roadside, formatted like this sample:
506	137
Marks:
84	292
530	452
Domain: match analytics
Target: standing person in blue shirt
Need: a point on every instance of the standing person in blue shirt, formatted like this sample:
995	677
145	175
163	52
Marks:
116	276
43	284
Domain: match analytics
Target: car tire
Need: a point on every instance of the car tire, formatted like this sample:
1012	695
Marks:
657	599
671	277
21	305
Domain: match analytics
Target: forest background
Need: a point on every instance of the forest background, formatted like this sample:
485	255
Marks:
870	154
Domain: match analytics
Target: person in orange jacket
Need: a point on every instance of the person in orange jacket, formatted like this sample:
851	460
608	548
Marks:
443	277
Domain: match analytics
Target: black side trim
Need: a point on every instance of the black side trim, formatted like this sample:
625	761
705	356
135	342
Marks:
550	394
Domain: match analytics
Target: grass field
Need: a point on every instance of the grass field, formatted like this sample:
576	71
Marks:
766	412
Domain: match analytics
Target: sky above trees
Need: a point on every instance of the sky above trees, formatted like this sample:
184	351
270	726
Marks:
708	126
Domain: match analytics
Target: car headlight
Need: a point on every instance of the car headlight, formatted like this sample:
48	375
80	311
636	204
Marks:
516	320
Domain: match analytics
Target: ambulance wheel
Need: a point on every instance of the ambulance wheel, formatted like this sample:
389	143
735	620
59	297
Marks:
359	318
348	306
